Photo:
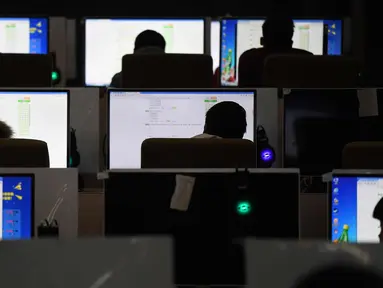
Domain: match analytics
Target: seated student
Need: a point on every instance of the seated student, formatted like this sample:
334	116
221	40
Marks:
147	42
6	131
378	215
225	120
277	39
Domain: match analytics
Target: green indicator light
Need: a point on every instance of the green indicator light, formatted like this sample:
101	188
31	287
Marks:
243	207
55	75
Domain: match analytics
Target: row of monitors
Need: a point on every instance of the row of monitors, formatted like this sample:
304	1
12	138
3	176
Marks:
135	116
229	38
352	201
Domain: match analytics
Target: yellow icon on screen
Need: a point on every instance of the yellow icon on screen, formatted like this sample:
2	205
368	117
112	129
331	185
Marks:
19	197
38	24
18	187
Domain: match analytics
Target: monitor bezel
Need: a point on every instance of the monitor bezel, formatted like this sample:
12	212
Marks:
24	16
83	37
264	18
39	90
33	184
217	90
344	174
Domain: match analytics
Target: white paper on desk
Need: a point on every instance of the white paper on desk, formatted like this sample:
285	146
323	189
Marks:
182	193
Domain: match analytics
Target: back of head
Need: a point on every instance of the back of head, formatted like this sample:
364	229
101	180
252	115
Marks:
227	120
278	31
378	211
149	38
339	276
5	130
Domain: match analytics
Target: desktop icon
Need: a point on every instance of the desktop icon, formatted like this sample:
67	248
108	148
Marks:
336	181
336	221
336	231
336	201
335	210
336	190
18	186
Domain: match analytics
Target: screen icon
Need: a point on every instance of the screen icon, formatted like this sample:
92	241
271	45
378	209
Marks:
336	181
336	231
335	210
336	201
336	221
336	190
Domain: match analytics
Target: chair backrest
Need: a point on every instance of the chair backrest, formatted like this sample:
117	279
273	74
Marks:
198	153
167	71
252	61
23	153
26	70
297	71
363	155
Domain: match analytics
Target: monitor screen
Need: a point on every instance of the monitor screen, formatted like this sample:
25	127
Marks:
137	116
16	206
312	121
40	115
24	35
103	58
215	30
353	199
240	35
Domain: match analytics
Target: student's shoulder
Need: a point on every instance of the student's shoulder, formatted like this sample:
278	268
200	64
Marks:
301	51
116	80
251	53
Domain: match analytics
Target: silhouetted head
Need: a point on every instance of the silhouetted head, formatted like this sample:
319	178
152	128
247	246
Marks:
278	31
5	130
341	276
378	215
226	120
149	38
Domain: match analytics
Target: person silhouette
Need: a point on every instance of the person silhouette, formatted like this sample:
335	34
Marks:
147	42
6	131
277	35
341	275
225	119
378	215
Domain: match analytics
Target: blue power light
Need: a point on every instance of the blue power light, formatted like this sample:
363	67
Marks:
267	155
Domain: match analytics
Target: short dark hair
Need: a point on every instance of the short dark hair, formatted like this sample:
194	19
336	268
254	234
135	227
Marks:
278	28
227	120
378	210
149	38
341	275
5	130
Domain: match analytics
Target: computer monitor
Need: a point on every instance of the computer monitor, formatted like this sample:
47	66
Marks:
313	119
103	58
41	115
226	205
215	30
24	35
240	35
16	206
135	116
352	200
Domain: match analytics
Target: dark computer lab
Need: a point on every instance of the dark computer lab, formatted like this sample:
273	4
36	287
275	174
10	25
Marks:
209	144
